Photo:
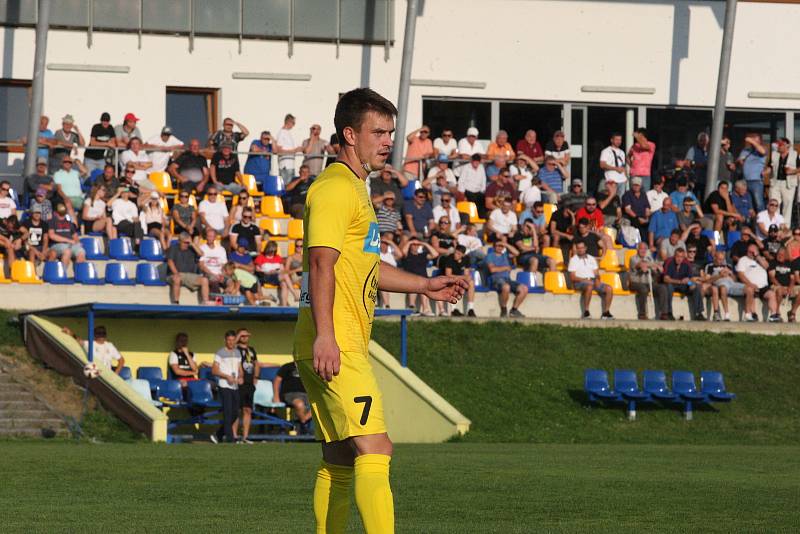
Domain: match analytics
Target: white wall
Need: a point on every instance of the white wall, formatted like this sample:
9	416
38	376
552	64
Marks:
529	50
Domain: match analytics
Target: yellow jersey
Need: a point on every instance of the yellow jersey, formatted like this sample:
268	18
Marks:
339	215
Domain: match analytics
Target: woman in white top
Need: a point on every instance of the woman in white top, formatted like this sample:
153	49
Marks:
94	211
244	199
153	221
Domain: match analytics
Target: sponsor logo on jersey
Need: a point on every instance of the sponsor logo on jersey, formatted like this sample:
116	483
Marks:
373	240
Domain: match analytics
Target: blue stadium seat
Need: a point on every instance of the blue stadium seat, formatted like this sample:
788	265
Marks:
126	374
147	275
625	384
715	237
655	383
121	249
529	279
732	237
713	386
264	397
478	279
149	373
170	393
142	387
268	373
93	248
150	250
86	273
595	383
274	186
55	273
117	275
199	394
683	384
94	175
409	189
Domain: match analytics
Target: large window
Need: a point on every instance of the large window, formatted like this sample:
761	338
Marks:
770	124
458	115
192	112
518	117
674	131
603	121
14	109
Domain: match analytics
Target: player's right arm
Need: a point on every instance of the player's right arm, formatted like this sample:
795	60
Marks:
322	284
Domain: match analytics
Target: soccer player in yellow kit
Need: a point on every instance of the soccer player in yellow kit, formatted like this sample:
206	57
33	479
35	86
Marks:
342	274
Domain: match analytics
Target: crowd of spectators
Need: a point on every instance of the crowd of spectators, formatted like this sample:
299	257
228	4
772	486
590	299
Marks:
509	182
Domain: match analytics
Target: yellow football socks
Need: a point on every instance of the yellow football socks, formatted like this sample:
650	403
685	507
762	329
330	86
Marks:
332	498
373	494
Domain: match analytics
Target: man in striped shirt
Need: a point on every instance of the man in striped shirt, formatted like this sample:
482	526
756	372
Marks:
389	219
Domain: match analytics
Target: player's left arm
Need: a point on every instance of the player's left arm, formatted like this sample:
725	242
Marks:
446	288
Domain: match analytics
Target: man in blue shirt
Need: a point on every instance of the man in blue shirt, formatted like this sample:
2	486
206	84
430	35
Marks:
45	137
678	278
498	263
743	202
752	159
418	215
662	223
258	164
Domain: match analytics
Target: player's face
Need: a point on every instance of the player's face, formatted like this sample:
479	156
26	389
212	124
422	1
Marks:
373	141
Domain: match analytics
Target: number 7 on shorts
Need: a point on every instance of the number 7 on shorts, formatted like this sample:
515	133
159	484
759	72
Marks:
367	400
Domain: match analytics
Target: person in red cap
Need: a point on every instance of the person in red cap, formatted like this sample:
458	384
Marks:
127	129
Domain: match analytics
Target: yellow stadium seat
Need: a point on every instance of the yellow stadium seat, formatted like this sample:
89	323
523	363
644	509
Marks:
556	254
164	205
23	272
250	183
3	279
220	198
296	229
555	282
471	210
613	235
273	228
613	280
549	209
163	183
610	262
250	202
273	207
629	253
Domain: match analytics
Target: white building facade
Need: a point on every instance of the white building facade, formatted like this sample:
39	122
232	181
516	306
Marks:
585	67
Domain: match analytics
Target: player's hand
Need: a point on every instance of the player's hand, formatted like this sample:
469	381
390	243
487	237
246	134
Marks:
446	288
326	358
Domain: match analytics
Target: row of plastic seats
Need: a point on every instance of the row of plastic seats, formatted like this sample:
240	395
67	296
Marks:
684	389
609	262
152	373
121	249
554	282
86	274
272	227
163	184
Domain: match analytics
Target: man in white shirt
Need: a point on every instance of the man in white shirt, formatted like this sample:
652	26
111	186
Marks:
752	272
472	182
446	145
522	172
612	161
447	209
212	260
7	205
213	211
228	367
286	147
585	277
502	223
768	217
440	169
140	161
469	145
104	353
166	142
656	196
125	216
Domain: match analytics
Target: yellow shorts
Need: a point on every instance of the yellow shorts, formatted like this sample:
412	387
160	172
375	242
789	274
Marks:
349	405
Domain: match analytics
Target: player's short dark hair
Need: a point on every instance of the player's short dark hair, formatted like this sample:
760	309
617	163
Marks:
100	331
353	105
230	333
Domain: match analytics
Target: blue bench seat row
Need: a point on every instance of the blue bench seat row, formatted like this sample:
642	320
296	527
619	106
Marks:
116	274
655	388
121	249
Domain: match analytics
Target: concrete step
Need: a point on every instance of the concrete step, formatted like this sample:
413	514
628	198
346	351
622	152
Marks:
29	432
22	395
13	404
5	378
12	387
26	411
32	423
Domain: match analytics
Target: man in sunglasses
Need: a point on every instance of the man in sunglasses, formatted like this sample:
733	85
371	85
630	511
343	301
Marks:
190	169
246	230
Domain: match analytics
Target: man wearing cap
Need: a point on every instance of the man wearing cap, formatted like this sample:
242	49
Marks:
41	201
558	148
636	207
165	144
612	162
389	218
128	129
575	199
224	170
441	169
529	146
216	139
64	239
68	183
523	171
65	141
40	178
469	145
34	234
102	139
552	175
190	169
